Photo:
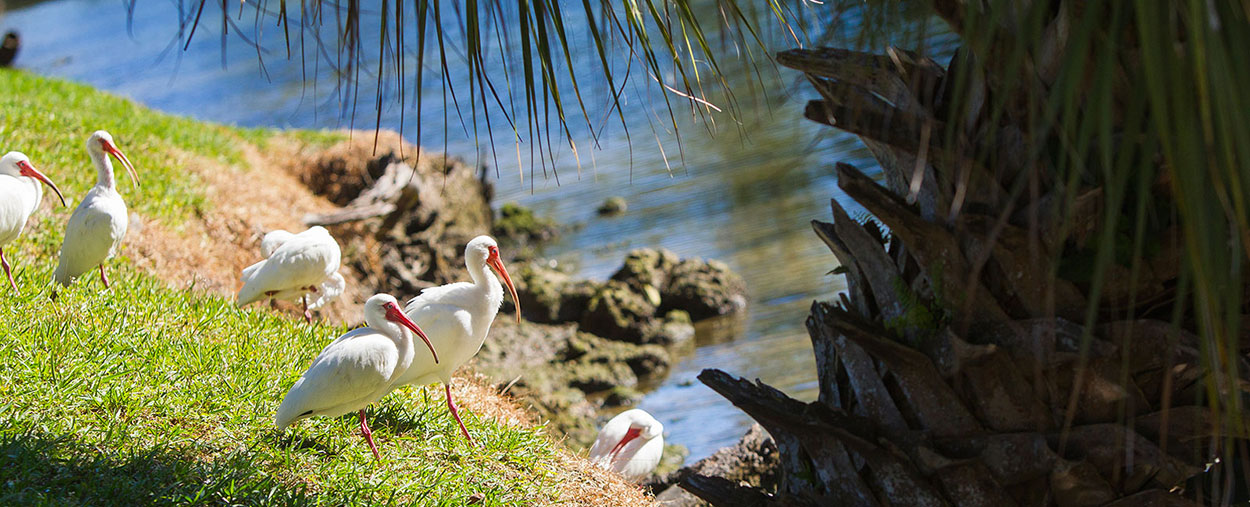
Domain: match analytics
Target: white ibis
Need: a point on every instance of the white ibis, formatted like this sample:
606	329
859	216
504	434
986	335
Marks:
355	369
20	194
98	224
457	317
630	444
294	266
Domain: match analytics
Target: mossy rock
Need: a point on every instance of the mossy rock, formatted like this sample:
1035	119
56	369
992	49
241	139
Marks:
614	205
647	267
519	224
672	459
618	313
539	289
675	329
575	299
621	396
648	361
597	377
704	289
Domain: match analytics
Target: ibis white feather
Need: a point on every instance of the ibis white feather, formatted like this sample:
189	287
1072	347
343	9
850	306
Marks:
457	318
20	195
630	444
355	369
98	224
295	266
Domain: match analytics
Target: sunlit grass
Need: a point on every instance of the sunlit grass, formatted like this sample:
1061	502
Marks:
142	393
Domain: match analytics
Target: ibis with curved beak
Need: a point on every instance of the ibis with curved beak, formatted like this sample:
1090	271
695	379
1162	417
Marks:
355	369
630	444
457	317
98	224
20	194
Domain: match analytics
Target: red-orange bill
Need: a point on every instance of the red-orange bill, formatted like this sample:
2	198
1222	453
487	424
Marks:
394	314
29	170
496	263
121	157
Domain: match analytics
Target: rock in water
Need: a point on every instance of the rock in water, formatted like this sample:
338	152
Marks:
753	460
520	225
618	313
612	206
8	48
705	289
702	288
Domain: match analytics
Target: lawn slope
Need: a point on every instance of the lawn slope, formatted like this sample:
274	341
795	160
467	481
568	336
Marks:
156	392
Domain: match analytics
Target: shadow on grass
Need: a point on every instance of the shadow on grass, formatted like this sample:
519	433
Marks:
294	438
57	469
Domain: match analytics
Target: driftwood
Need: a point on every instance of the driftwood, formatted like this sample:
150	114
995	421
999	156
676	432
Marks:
383	197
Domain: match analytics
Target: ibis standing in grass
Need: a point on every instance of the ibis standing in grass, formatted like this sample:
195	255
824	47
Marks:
295	266
356	369
98	224
20	194
630	444
457	317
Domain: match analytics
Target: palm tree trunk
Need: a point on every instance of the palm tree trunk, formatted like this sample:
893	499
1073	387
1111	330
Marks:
970	362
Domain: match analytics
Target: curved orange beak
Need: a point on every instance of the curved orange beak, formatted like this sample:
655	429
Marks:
121	157
25	169
497	264
629	435
393	314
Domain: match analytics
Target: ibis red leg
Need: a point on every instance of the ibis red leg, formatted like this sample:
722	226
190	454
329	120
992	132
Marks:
307	314
451	405
364	430
7	271
103	277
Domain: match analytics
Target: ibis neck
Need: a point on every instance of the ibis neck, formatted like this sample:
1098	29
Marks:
484	279
36	191
403	342
104	169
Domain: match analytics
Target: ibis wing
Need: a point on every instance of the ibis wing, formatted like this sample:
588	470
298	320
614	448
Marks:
288	269
448	328
92	235
346	374
330	289
609	436
433	296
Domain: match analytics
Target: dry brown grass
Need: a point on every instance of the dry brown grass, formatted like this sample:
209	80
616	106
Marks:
209	251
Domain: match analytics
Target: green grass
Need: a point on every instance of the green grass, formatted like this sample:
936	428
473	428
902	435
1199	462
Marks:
50	120
145	394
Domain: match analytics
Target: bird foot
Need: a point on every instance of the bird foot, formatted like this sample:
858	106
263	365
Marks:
364	430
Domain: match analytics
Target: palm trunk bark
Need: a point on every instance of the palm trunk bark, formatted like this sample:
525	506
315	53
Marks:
965	364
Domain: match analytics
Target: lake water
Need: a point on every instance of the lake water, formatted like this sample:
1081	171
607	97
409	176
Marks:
742	193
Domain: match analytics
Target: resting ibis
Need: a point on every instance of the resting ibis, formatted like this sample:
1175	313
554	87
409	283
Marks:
457	317
295	265
98	224
20	194
630	444
355	369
